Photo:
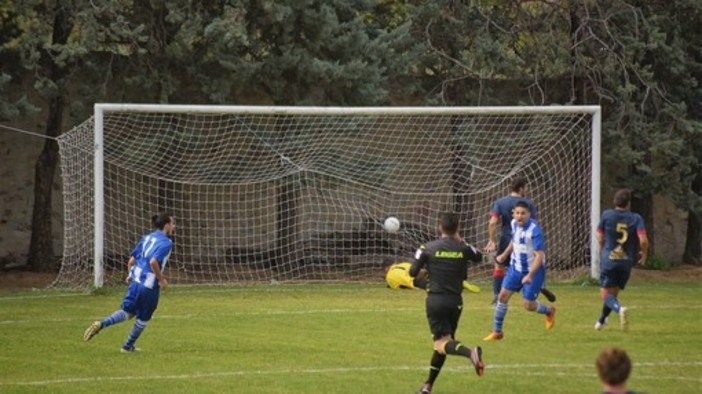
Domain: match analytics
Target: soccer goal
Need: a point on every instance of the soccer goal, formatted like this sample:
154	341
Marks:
299	194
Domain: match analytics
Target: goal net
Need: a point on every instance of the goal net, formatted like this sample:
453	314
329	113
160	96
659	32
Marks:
299	194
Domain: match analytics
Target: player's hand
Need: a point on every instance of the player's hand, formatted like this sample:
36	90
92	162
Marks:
526	280
128	279
500	259
490	247
642	259
163	284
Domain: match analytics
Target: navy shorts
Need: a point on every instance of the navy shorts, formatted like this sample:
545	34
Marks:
615	274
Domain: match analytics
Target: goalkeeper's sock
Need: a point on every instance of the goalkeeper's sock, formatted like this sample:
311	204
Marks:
437	361
605	312
135	332
454	347
500	313
117	317
612	302
542	308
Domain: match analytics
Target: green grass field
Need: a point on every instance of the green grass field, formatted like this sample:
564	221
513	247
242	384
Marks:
341	339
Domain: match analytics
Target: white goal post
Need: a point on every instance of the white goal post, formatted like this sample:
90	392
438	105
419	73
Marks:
299	194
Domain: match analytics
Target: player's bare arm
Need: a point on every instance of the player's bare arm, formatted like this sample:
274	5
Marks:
492	231
156	268
505	255
643	254
130	264
535	265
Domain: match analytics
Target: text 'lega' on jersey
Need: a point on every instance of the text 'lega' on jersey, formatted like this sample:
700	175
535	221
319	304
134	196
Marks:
448	254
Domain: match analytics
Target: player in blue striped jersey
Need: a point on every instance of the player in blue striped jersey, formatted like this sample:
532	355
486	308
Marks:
622	236
527	270
146	265
501	215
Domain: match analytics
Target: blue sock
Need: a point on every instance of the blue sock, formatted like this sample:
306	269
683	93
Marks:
605	312
612	302
542	308
137	329
117	317
500	312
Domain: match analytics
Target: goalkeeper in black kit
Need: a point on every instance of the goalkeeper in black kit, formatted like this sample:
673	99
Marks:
446	261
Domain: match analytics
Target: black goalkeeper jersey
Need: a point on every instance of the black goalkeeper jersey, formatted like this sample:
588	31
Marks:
446	260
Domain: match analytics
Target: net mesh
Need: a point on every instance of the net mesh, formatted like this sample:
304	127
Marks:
282	196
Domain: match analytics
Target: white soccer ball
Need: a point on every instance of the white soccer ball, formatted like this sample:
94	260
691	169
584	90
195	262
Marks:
392	224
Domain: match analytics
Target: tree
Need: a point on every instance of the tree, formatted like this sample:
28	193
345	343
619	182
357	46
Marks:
311	52
639	60
50	41
677	61
258	51
12	103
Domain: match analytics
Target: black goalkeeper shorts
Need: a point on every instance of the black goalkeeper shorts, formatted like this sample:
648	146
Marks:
443	313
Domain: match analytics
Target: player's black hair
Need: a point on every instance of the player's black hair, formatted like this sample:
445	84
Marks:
518	183
161	220
522	204
449	223
622	198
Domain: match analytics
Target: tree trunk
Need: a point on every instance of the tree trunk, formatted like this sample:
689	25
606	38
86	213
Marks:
578	81
287	219
461	176
578	96
693	240
644	207
41	251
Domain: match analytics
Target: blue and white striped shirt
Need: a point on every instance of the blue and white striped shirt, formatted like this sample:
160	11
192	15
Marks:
526	241
157	246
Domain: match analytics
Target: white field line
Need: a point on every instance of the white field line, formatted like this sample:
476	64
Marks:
42	296
318	311
216	289
236	314
343	370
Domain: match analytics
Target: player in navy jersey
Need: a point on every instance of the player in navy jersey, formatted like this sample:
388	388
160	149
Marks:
501	214
145	266
446	261
527	269
622	237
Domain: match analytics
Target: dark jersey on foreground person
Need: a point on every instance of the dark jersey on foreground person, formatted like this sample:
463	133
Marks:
446	261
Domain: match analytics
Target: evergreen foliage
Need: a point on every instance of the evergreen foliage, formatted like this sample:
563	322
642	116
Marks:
641	60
